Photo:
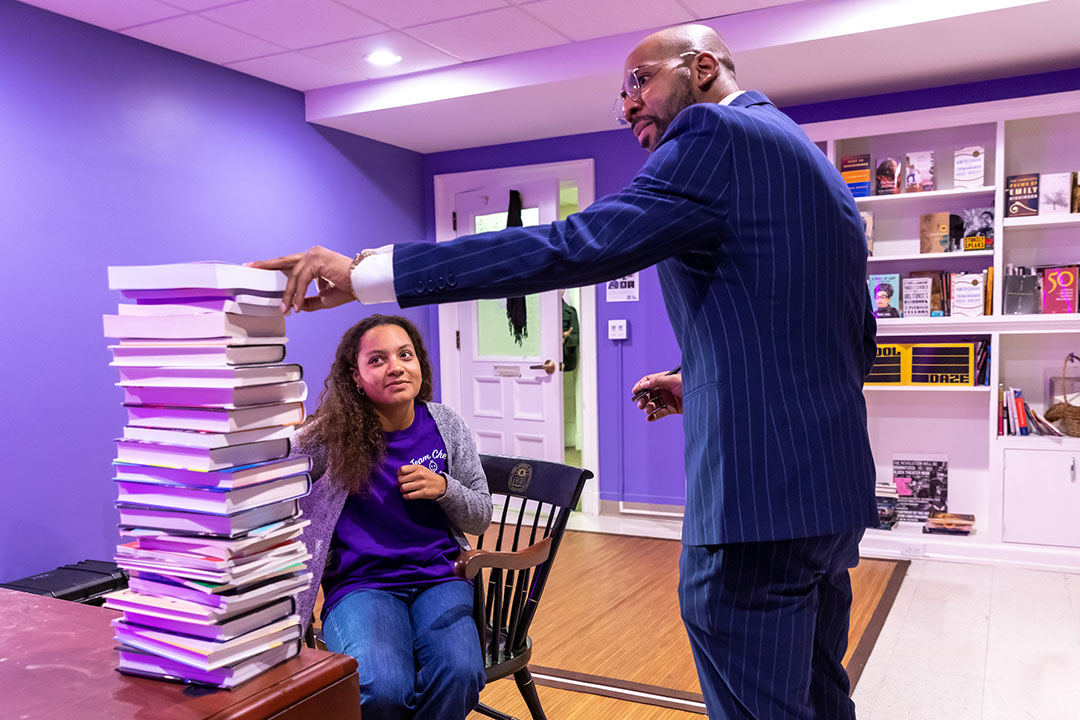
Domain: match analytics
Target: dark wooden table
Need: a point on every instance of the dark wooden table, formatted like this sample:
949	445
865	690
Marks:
57	660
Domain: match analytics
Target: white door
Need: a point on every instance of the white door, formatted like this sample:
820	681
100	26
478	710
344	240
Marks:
512	392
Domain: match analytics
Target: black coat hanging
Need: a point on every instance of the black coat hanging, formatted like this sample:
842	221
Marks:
516	316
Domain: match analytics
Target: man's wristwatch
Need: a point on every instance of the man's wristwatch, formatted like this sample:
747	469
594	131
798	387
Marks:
352	266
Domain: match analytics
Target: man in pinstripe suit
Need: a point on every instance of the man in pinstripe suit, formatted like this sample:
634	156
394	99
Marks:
762	261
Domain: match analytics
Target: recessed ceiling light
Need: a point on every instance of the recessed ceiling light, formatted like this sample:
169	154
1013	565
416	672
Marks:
383	58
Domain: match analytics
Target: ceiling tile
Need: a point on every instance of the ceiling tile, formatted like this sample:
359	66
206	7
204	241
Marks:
295	24
112	15
419	12
488	34
196	36
600	18
297	71
349	55
196	5
718	8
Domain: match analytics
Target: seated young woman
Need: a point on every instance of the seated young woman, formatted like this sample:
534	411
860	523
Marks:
397	484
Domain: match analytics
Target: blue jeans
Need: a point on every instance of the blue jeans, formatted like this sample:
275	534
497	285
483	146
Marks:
417	648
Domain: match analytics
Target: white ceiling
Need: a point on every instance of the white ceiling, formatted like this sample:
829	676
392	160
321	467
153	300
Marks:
480	72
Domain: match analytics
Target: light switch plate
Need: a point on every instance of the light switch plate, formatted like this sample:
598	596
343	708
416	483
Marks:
616	329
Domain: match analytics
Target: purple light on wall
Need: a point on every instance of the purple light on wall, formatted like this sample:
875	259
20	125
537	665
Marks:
116	152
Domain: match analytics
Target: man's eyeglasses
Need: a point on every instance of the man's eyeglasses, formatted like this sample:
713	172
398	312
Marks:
634	83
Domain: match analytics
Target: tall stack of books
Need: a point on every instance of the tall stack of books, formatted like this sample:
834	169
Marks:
207	492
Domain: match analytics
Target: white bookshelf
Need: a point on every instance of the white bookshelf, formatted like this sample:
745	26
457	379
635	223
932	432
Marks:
928	388
906	198
930	258
1065	220
1039	134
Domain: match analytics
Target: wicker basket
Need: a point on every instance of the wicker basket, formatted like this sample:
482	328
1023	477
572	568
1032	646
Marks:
1065	414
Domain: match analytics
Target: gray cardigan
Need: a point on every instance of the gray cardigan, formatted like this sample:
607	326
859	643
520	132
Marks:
466	503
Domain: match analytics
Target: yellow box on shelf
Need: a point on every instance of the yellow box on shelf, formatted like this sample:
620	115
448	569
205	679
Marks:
942	364
891	366
924	364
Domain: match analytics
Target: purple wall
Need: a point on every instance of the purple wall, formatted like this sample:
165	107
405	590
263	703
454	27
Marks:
648	458
113	151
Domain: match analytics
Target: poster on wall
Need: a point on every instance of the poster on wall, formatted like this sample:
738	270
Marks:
624	289
922	485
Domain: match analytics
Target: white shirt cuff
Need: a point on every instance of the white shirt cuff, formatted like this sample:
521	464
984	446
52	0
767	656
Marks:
373	277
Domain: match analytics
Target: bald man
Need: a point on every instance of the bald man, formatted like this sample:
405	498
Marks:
762	261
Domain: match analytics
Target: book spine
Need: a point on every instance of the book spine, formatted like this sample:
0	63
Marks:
1021	421
1001	410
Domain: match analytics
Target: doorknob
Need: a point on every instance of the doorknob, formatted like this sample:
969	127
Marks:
548	367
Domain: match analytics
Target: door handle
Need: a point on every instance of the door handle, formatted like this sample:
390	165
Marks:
548	367
1072	469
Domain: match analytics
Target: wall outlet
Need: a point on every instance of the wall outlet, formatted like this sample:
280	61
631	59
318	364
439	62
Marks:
911	549
616	329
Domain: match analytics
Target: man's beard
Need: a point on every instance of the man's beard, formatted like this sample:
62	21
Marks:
681	98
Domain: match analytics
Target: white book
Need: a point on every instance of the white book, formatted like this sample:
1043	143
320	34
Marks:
207	654
141	663
212	500
196	356
185	610
195	275
199	522
209	377
204	325
191	557
216	397
257	541
196	439
199	307
970	167
202	594
216	419
968	294
232	576
1055	193
916	294
201	459
219	631
227	479
186	295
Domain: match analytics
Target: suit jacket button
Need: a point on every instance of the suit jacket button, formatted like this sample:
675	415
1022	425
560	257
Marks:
420	286
451	279
442	283
431	284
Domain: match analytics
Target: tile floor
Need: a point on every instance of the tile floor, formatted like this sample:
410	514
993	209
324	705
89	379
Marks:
974	642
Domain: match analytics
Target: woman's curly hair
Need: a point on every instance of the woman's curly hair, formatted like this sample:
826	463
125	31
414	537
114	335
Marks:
346	423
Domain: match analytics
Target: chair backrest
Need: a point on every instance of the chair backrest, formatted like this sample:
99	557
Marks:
536	498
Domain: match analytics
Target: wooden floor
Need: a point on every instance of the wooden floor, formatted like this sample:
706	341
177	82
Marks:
610	609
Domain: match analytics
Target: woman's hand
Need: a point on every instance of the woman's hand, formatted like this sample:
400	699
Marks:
419	483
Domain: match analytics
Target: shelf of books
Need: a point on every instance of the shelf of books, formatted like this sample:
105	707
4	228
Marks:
207	490
972	220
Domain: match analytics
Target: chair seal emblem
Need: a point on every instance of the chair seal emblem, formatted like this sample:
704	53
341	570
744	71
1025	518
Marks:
520	477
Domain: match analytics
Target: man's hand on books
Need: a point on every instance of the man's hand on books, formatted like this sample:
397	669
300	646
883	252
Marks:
659	395
329	270
419	483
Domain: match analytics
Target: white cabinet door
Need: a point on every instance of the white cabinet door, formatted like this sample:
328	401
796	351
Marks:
1042	497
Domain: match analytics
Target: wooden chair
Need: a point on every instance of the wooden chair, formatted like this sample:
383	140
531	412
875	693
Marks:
508	579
